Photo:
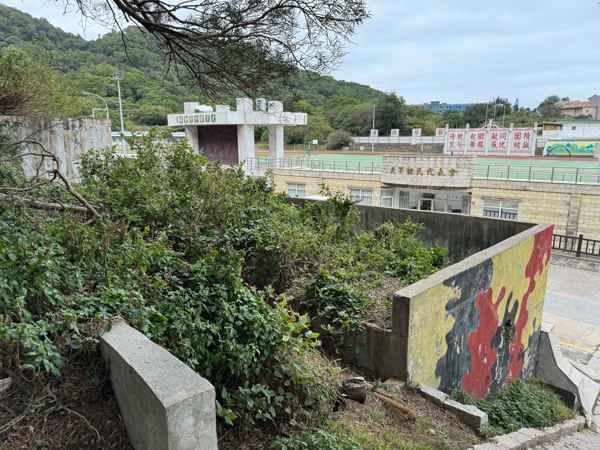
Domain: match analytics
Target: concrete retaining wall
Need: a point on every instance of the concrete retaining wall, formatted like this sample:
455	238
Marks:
164	403
473	326
67	139
461	235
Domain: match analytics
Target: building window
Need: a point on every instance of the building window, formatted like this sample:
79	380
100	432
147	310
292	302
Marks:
404	199
362	196
295	190
500	208
387	198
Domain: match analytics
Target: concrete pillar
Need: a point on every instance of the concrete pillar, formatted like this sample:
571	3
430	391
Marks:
246	150
276	136
276	142
572	225
191	133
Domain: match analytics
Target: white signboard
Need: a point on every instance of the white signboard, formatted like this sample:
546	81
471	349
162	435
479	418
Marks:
447	171
374	133
395	133
416	132
490	141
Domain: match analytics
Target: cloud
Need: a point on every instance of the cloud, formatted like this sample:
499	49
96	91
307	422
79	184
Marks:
472	51
463	51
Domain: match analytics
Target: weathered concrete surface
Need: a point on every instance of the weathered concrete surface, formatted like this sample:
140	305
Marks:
572	380
164	403
530	437
468	414
462	235
67	139
584	440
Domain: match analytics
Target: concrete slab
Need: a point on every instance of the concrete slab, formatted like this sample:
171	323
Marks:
164	403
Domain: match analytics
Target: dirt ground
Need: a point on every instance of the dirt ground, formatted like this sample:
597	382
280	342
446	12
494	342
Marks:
73	412
377	425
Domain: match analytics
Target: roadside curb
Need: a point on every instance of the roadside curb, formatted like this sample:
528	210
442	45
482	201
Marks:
530	437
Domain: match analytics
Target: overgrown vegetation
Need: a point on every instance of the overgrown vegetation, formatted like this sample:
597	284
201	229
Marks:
521	404
212	265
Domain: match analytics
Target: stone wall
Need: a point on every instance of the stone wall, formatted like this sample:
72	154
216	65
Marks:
67	139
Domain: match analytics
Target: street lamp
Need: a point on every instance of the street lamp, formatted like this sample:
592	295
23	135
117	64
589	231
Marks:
118	76
91	94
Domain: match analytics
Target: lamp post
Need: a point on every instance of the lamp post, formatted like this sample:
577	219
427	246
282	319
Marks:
373	138
91	94
118	76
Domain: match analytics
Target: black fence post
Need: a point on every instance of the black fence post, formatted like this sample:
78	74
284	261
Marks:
579	245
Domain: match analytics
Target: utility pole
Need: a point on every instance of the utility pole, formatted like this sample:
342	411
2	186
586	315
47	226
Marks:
503	113
487	105
373	138
118	76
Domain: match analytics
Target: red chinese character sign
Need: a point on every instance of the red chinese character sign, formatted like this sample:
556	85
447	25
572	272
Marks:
456	141
523	142
491	141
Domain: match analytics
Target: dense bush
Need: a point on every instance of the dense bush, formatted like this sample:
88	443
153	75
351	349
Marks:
521	404
205	262
338	139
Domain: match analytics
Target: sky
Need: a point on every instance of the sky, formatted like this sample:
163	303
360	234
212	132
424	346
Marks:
458	52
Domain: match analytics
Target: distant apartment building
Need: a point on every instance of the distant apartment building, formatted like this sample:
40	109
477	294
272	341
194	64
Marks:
583	108
441	107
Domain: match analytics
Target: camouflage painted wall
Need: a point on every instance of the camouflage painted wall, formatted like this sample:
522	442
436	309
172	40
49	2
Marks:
479	328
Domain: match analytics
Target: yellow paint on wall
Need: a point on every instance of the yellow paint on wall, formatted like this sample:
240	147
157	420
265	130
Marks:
429	324
509	272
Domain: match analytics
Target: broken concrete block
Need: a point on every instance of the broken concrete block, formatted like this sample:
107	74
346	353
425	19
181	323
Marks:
436	396
468	414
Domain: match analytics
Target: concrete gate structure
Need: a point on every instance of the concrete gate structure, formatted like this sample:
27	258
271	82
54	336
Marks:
228	136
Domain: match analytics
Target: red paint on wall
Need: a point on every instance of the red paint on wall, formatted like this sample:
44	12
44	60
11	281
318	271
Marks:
540	256
478	379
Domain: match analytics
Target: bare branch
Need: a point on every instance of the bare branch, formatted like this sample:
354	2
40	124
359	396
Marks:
239	44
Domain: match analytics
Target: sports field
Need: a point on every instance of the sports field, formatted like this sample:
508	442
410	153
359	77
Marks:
534	169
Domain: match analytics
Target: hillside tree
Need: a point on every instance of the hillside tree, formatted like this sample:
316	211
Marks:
238	44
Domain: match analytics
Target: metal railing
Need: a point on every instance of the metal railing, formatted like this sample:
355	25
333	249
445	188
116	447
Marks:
576	244
572	175
362	167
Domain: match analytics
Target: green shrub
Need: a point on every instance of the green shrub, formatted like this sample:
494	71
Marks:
203	261
521	404
334	304
338	139
321	440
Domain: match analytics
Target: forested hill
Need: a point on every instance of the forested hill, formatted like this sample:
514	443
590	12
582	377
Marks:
150	92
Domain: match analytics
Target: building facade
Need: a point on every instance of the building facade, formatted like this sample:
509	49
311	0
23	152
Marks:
568	200
578	108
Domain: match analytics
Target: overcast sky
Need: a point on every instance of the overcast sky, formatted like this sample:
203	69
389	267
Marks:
461	51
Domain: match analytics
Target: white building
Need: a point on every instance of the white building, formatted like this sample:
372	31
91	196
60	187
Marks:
228	136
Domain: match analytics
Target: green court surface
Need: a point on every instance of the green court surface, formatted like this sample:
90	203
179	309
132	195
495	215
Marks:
535	169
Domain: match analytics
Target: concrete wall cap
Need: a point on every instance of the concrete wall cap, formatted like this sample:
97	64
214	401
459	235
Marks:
166	376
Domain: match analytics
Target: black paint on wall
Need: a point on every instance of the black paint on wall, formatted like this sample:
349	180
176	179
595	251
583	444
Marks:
457	360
